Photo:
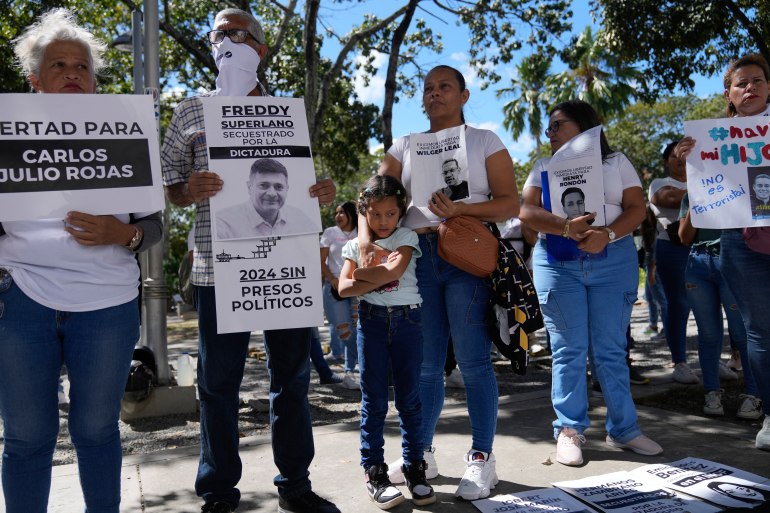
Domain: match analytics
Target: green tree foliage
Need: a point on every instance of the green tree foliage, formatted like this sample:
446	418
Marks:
645	129
679	38
530	101
594	75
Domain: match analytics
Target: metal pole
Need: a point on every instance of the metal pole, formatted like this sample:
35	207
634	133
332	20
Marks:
155	290
136	43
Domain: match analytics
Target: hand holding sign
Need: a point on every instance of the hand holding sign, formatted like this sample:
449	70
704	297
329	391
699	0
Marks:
90	230
325	190
203	185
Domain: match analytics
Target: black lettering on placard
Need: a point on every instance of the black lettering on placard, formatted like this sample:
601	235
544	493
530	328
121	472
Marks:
257	152
35	165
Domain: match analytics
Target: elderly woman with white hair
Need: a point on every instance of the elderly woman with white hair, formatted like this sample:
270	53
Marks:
68	295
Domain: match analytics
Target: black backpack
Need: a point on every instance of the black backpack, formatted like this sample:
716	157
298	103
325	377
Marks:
141	375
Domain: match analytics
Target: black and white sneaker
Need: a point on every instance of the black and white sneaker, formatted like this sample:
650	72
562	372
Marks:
381	490
308	502
422	492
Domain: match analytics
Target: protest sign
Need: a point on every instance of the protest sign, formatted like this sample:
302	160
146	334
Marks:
728	172
711	481
544	500
573	185
94	153
439	163
622	492
264	225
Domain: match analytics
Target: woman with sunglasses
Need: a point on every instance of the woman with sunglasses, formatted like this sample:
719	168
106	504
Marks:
589	299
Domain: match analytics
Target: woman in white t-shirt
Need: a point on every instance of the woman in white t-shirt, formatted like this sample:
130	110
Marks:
587	301
342	313
68	295
454	301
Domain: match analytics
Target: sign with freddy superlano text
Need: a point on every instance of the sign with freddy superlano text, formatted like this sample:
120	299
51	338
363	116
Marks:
94	153
264	223
728	172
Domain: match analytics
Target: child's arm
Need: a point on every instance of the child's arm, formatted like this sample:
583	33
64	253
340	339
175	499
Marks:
349	286
387	272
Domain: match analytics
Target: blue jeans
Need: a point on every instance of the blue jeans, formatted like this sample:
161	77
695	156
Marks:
588	302
221	361
317	356
708	293
455	302
656	300
342	326
390	338
671	260
96	347
747	274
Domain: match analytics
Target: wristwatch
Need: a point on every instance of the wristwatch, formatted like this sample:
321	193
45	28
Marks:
610	233
136	240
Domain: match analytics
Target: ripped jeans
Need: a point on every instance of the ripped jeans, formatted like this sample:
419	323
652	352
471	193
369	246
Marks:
590	300
343	325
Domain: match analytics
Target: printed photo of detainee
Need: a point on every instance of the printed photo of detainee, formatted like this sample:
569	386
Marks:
759	178
573	201
264	214
456	188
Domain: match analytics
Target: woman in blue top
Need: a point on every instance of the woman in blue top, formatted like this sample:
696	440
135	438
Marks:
389	339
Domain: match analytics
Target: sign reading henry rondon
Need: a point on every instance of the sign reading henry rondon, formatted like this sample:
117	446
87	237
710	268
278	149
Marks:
264	223
61	152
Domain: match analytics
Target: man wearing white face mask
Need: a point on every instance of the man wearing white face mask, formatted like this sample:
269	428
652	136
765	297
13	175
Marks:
238	45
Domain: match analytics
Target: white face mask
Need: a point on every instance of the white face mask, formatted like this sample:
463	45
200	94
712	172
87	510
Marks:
237	64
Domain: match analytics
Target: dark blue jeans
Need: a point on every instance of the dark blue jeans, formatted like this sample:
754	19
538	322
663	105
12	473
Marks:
390	337
96	347
221	362
747	274
671	262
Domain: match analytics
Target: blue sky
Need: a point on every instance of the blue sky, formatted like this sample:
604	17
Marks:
483	109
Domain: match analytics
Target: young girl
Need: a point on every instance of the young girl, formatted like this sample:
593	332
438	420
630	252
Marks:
389	337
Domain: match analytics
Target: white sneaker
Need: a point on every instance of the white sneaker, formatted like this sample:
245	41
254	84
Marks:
480	476
763	437
726	373
396	476
640	445
684	374
750	408
568	451
350	382
713	405
455	379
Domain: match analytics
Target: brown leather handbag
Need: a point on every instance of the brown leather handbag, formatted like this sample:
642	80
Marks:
466	243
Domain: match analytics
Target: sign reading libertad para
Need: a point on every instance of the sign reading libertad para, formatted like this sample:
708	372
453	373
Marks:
728	172
92	153
264	223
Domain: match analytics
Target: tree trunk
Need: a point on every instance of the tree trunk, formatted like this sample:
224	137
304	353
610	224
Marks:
390	79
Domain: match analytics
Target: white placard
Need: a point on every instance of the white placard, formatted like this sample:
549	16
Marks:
576	177
439	163
728	172
264	225
270	283
544	500
622	492
712	481
94	153
260	147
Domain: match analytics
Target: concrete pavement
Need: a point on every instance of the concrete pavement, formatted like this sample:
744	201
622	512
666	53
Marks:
163	481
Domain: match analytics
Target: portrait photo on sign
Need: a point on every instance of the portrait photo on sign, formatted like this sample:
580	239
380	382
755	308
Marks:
455	179
759	182
268	197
